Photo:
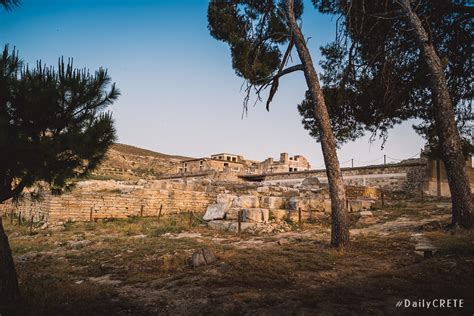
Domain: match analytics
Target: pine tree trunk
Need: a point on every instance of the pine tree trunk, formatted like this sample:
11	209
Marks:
9	291
339	227
448	133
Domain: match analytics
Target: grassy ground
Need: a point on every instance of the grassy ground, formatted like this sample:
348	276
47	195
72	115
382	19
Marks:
139	266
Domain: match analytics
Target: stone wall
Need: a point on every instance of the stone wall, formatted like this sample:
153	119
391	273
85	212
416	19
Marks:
112	199
407	177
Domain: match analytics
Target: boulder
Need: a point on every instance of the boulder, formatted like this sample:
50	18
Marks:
273	202
219	225
215	211
366	213
246	201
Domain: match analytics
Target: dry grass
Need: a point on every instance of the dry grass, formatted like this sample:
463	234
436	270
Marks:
136	266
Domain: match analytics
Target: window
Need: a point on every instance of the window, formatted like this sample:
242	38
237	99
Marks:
201	162
228	158
234	159
220	157
291	169
226	164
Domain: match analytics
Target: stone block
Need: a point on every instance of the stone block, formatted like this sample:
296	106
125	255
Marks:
219	225
246	201
264	189
253	215
215	211
265	215
294	203
232	214
273	202
202	257
226	199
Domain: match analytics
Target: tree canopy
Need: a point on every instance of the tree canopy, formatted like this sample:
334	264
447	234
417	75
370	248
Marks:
375	68
53	123
256	31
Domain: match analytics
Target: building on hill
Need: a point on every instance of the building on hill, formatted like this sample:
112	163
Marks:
238	164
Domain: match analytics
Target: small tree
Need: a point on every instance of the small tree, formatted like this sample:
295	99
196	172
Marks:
261	36
52	128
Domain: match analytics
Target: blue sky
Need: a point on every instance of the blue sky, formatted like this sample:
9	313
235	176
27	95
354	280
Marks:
180	94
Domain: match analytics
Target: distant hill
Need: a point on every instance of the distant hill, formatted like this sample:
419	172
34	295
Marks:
125	162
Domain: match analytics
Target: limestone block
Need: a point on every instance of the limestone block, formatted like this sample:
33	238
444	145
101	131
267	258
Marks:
219	225
316	204
264	189
327	206
278	214
215	211
226	199
265	215
253	215
232	214
203	257
294	203
273	202
246	201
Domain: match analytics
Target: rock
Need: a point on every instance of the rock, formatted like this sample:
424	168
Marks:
311	181
202	257
44	226
253	215
215	211
246	201
219	225
226	199
366	213
357	205
283	241
79	244
278	215
273	202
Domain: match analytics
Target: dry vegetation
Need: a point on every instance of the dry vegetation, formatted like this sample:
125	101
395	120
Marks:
140	266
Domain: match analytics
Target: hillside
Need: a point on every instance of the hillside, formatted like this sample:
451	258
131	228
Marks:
125	162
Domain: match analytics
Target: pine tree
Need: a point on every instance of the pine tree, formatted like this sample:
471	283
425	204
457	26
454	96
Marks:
393	61
53	128
256	32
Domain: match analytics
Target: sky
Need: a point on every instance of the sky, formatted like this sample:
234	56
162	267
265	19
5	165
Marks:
180	94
